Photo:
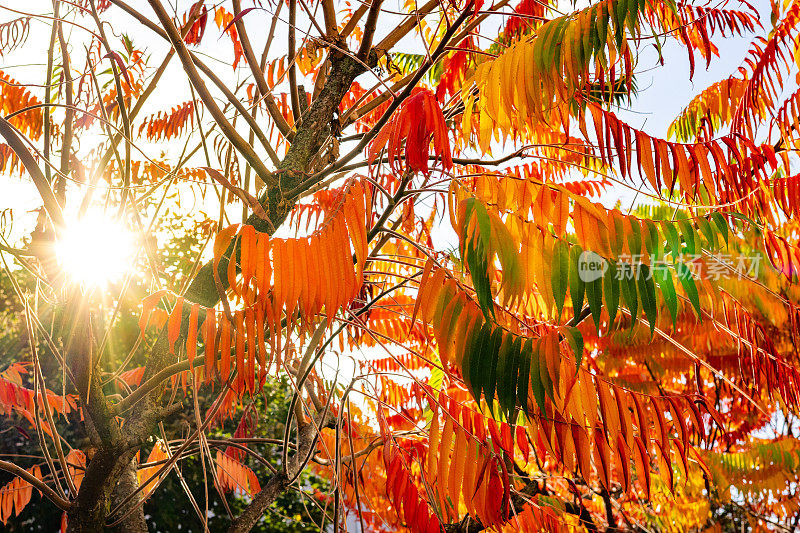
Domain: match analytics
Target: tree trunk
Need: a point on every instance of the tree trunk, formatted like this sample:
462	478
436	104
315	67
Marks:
90	509
127	485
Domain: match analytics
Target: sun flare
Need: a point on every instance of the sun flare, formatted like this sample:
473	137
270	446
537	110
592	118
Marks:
95	249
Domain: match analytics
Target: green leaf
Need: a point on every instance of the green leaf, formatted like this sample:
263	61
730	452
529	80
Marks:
477	374
619	236
652	241
647	293
559	274
664	279
471	349
587	36
671	234
635	241
672	6
448	320
687	281
537	384
628	286
550	42
479	270
595	36
503	363
611	289
633	16
544	373
594	290
575	340
576	285
524	378
510	380
602	24
746	219
619	22
490	368
441	306
469	208
476	254
437	375
708	232
509	258
722	225
687	230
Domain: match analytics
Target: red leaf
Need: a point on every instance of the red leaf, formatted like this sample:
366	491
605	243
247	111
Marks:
118	59
238	17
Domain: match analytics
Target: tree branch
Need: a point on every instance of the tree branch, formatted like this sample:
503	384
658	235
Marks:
208	100
39	485
296	112
258	75
278	483
14	140
369	29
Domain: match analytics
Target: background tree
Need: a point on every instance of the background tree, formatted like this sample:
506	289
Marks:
277	223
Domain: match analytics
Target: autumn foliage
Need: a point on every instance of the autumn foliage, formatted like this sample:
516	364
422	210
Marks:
498	299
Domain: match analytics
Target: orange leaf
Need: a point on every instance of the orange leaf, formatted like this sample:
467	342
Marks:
680	420
263	265
697	420
624	461
582	450
433	444
241	375
665	466
210	340
423	286
148	303
248	252
642	458
231	274
643	420
608	408
222	241
602	459
445	443
191	336
458	466
644	156
661	424
290	275
279	289
470	470
260	326
250	328
174	325
623	409
225	348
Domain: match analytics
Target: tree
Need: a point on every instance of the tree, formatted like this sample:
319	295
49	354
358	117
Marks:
662	394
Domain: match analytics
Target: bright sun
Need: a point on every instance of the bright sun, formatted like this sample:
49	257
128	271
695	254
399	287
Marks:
95	250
